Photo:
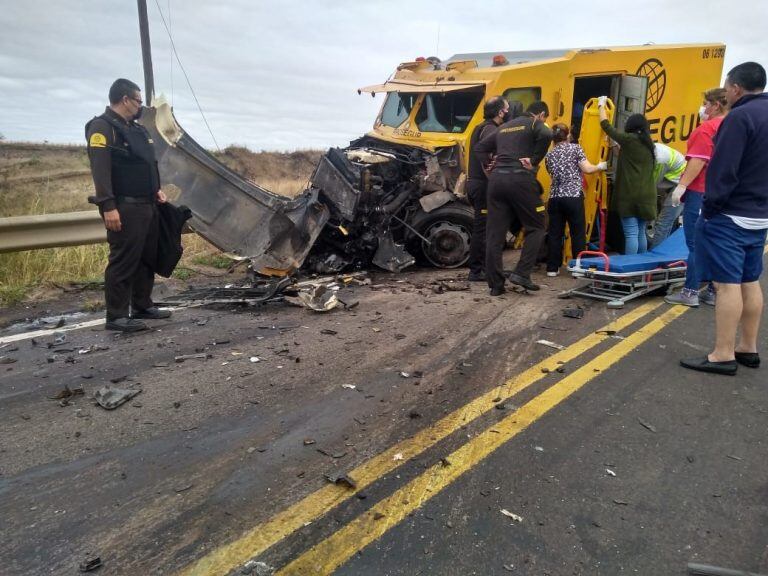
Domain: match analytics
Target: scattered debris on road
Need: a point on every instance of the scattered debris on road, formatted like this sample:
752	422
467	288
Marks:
341	479
111	398
317	297
92	348
646	425
184	357
253	568
610	472
512	515
90	564
550	344
68	392
577	312
59	338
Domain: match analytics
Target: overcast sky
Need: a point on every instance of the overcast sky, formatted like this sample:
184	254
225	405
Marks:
283	75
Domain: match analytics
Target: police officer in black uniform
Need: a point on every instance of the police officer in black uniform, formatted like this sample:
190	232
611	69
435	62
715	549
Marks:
514	194
127	185
495	113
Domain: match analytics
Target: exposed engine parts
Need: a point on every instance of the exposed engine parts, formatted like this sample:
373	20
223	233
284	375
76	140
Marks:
390	205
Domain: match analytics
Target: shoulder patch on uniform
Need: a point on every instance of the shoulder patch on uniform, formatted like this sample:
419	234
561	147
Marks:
97	140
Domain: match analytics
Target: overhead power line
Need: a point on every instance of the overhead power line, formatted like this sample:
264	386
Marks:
186	77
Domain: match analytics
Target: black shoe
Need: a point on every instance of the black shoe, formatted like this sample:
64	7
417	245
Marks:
497	291
125	325
526	283
702	364
476	277
153	313
748	359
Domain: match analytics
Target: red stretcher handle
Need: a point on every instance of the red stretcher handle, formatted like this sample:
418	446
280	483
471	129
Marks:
676	263
602	255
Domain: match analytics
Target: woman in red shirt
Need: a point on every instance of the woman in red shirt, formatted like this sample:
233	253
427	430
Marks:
691	192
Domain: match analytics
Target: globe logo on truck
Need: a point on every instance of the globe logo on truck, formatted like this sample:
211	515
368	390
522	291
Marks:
653	69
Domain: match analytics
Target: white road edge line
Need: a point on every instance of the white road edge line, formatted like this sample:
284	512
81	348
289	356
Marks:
49	331
65	328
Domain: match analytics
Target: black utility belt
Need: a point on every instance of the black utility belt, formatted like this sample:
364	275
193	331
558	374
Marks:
511	171
134	200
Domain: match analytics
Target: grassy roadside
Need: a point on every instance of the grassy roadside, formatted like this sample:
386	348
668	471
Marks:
44	179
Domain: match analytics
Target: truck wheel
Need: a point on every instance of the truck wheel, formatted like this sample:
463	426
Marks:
448	230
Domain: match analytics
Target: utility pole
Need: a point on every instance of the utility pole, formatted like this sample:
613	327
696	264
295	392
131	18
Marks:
146	53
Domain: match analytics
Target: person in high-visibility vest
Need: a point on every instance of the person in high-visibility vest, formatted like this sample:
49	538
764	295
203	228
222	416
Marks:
670	165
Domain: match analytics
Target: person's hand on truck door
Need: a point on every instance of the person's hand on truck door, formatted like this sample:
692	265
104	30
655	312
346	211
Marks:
601	101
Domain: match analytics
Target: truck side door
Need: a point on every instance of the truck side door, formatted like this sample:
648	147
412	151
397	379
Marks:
633	91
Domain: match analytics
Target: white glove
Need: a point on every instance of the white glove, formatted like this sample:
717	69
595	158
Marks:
602	166
677	195
601	101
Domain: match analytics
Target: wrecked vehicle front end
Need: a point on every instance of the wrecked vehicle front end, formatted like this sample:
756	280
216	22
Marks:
391	205
237	216
391	198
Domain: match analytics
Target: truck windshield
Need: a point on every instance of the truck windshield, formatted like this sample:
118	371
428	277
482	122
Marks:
397	108
449	111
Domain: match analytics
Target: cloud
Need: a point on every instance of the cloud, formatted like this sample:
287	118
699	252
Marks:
283	75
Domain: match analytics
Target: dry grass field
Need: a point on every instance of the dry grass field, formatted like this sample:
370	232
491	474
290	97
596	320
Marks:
46	179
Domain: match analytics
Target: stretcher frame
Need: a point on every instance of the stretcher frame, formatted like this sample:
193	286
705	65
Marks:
618	288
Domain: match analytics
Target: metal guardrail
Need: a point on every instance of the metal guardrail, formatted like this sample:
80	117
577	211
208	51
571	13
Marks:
51	231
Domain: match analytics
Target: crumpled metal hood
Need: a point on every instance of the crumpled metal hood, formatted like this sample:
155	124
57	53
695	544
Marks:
233	214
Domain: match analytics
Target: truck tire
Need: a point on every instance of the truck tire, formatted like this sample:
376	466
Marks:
449	231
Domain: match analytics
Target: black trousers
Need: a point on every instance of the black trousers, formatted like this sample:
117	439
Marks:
130	273
513	197
564	211
477	194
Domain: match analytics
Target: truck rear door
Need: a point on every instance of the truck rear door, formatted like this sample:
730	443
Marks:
631	99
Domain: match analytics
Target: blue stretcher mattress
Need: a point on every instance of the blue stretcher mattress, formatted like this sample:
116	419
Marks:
671	250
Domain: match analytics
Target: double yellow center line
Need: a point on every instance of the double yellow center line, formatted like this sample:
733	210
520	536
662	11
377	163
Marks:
332	552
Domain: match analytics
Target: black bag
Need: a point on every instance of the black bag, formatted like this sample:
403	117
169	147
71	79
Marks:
169	249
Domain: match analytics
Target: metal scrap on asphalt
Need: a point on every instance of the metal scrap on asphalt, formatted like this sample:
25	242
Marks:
110	398
550	344
512	515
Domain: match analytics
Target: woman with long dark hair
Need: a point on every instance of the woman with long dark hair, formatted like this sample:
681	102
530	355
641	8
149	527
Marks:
634	188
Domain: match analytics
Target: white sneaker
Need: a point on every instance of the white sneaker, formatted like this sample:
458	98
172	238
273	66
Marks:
553	274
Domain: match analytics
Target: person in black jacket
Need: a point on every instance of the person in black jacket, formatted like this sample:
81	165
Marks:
514	194
495	113
731	230
127	183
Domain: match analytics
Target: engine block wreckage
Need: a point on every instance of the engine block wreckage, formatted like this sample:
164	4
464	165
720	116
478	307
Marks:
371	203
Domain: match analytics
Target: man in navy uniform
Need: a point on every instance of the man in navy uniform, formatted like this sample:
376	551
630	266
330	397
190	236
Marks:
127	185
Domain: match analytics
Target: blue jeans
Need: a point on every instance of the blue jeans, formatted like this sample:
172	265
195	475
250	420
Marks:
691	210
635	240
663	226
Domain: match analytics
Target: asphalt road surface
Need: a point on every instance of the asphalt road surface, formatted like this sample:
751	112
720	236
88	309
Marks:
458	444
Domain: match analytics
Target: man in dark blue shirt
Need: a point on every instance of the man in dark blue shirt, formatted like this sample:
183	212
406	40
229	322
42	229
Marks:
731	230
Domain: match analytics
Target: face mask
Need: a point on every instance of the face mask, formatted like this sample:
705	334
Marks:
703	113
138	113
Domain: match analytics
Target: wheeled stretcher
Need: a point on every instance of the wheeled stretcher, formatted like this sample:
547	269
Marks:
620	278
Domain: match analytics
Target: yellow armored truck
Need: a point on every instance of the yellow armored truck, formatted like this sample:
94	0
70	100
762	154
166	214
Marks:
432	106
